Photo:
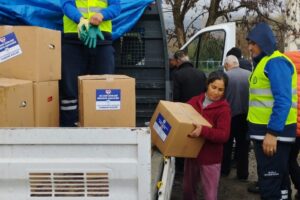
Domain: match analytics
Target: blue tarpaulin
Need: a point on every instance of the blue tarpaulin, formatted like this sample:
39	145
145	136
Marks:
48	14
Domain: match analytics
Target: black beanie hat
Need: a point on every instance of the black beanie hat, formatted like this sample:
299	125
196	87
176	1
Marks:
235	52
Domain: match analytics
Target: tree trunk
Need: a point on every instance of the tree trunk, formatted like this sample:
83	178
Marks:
179	31
292	40
178	23
213	12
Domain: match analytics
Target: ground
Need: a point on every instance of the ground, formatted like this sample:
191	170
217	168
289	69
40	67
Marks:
230	188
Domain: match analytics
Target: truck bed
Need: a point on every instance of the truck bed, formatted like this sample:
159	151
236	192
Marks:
82	163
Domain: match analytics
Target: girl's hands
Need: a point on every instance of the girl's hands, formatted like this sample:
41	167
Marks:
196	132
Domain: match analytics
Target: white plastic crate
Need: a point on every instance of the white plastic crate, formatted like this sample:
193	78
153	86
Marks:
79	163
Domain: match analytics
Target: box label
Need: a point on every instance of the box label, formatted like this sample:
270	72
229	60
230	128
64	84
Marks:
9	47
162	127
108	99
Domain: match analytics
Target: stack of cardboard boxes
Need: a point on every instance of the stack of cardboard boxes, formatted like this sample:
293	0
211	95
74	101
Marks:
30	67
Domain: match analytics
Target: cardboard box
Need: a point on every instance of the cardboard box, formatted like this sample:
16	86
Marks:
30	53
16	103
107	101
46	104
170	125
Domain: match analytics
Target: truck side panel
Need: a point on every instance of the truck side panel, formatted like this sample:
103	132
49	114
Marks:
82	163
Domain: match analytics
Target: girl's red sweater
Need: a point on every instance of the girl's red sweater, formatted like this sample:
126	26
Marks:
219	116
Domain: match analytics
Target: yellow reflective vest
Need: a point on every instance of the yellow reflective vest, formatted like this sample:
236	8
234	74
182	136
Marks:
88	8
260	95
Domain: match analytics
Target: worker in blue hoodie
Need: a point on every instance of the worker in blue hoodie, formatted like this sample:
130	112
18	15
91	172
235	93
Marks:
86	48
272	112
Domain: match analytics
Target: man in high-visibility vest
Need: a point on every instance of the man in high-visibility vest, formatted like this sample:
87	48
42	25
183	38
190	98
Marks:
272	114
83	52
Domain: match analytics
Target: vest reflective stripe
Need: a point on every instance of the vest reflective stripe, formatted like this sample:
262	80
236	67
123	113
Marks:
282	139
261	100
87	8
83	10
95	9
267	91
267	104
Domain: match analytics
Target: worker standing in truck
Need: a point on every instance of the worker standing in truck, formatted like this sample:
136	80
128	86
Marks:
272	112
82	51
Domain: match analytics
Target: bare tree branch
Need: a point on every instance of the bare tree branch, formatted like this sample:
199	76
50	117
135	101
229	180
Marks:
254	10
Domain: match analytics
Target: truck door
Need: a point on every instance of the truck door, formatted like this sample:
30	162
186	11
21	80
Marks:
208	47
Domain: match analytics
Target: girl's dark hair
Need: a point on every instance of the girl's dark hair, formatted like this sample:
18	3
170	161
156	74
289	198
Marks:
217	75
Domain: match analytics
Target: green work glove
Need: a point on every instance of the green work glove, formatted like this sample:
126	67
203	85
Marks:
83	23
83	34
93	33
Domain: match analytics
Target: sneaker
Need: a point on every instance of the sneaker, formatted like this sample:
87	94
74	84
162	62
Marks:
253	188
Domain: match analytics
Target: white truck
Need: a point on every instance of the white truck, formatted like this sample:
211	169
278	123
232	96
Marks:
109	163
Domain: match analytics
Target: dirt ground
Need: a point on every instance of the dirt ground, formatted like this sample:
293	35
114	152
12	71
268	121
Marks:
229	188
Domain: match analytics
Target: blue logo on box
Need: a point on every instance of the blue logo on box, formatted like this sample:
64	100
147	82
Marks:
108	99
165	126
8	41
162	127
108	95
9	47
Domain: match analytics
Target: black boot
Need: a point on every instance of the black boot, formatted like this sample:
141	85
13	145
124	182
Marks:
253	187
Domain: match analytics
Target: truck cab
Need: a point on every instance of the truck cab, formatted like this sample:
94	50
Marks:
207	48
